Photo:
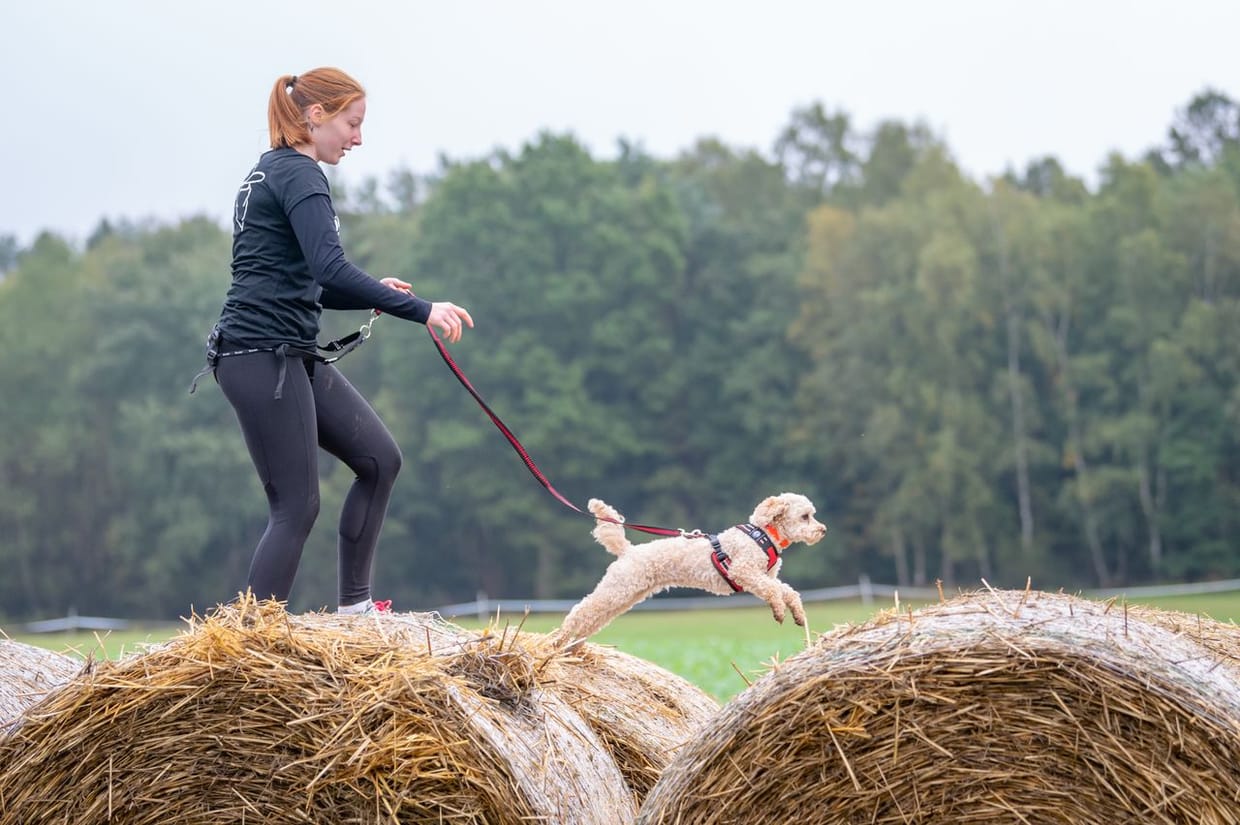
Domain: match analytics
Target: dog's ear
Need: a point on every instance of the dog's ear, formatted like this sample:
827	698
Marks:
770	509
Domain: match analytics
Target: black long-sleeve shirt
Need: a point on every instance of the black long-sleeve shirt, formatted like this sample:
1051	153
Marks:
288	264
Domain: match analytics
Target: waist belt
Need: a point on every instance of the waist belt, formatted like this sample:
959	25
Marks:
340	347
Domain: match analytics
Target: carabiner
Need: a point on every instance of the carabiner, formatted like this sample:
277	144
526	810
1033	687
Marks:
364	329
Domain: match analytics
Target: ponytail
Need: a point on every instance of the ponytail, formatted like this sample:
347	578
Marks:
292	95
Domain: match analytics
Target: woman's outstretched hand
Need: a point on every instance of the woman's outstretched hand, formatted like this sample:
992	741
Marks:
450	318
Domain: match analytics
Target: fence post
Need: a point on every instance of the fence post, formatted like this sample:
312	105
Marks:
867	590
482	608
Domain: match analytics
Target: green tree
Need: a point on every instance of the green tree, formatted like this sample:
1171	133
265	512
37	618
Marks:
817	148
52	459
1205	130
9	252
895	150
894	319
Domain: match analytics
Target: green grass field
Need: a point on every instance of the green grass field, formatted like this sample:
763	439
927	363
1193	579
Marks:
711	648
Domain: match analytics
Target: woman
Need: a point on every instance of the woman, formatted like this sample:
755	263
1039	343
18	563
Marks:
287	267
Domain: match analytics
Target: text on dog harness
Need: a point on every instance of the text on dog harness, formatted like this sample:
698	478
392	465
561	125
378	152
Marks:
722	562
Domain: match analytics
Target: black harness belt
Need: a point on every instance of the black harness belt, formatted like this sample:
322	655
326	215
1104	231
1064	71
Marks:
341	347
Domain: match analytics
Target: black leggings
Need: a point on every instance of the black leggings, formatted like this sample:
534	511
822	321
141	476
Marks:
317	408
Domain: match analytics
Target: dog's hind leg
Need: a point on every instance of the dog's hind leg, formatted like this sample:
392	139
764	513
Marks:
620	588
588	616
609	529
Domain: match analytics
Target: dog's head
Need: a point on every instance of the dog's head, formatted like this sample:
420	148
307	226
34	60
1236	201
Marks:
792	514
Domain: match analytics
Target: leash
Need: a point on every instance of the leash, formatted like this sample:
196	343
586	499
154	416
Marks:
343	346
772	544
520	450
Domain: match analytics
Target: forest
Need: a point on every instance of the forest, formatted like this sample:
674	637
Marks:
1028	377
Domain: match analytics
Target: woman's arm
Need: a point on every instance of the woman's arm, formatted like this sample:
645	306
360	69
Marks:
345	286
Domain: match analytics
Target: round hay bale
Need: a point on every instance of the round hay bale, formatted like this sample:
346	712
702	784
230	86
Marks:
27	674
995	707
255	715
1220	638
642	713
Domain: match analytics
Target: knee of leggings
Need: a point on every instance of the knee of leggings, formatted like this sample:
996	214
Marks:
299	516
305	517
387	464
312	510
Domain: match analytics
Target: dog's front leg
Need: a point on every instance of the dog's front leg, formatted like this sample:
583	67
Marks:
793	599
770	591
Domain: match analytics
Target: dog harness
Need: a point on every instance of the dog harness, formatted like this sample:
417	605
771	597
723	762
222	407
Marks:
769	540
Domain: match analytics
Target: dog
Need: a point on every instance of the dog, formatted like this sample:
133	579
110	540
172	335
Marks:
745	559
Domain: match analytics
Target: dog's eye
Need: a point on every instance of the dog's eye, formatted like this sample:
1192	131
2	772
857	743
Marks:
805	517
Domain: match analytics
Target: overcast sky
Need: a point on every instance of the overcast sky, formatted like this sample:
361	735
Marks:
140	109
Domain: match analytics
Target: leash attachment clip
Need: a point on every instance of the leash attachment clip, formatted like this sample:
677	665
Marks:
364	329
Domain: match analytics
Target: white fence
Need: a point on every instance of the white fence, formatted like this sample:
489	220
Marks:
865	590
74	622
868	592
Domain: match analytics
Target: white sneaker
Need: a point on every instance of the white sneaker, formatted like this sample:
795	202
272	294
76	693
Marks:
368	606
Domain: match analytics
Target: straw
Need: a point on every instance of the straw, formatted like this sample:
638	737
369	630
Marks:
27	673
255	715
640	712
995	707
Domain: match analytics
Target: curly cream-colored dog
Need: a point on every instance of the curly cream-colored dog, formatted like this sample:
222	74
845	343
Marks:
745	557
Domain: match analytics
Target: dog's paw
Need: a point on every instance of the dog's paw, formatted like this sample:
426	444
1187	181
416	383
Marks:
798	610
793	601
603	510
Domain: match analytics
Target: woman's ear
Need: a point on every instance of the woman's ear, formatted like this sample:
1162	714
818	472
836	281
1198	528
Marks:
314	115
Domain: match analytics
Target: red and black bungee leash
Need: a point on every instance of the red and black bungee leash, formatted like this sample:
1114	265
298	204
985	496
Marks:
520	450
719	558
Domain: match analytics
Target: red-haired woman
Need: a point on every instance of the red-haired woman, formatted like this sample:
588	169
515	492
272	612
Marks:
287	266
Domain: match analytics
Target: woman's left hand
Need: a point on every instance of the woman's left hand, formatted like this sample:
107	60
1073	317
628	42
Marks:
396	284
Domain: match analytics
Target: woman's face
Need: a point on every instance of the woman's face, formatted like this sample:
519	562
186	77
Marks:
333	136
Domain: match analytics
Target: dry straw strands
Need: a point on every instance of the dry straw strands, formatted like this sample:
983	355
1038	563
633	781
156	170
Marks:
641	716
1220	638
27	673
995	707
254	715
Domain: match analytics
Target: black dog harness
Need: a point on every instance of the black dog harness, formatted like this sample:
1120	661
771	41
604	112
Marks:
773	549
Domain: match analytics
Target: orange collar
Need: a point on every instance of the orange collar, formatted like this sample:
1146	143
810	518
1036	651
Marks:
780	542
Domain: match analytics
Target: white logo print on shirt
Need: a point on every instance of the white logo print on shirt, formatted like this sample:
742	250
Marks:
242	205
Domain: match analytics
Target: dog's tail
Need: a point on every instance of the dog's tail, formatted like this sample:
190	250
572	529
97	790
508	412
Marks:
609	529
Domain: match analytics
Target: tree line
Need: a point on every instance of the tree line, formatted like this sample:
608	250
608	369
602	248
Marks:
1019	378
